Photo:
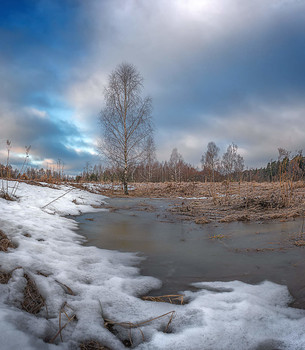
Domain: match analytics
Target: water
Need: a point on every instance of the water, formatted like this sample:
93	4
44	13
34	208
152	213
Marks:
180	253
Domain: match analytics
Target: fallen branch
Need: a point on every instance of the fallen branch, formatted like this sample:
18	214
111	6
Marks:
71	189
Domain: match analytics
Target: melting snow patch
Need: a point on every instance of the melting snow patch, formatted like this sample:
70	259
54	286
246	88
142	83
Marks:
84	286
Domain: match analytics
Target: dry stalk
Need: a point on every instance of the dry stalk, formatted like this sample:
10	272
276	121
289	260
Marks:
170	298
70	318
8	147
67	289
131	325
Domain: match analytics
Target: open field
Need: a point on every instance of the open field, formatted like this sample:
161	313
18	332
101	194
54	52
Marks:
224	202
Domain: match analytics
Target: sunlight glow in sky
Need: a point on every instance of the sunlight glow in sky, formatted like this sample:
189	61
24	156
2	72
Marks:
217	70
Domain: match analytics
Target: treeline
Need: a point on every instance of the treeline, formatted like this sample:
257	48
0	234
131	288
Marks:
30	173
230	166
213	168
143	172
286	167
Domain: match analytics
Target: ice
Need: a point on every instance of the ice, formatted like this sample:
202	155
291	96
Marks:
106	284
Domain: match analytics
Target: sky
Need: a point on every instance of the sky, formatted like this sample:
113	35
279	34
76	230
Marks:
216	70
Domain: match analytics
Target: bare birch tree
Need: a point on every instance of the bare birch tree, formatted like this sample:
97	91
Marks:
210	158
150	157
175	164
125	119
232	161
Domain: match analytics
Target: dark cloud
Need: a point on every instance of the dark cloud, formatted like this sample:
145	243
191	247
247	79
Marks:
226	70
49	138
263	65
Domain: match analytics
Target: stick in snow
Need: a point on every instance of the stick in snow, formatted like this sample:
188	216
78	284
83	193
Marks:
71	189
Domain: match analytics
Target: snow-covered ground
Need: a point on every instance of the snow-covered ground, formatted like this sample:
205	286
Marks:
106	284
96	187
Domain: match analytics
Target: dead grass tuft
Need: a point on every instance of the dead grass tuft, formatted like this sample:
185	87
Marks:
235	217
5	243
219	236
6	196
92	345
33	302
202	220
299	243
171	298
4	277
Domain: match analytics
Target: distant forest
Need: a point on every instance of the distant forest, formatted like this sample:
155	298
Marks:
230	167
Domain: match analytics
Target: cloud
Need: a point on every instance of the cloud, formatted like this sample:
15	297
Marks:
49	138
222	70
258	130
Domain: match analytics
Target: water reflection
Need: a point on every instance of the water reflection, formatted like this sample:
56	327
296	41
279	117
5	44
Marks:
180	253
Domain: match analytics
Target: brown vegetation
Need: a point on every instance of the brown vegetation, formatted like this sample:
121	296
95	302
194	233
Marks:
172	299
245	202
92	345
226	201
33	302
5	243
4	277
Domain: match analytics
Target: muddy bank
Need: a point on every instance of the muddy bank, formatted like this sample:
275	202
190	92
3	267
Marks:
180	252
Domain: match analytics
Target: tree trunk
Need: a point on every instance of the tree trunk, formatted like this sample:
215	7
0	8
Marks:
125	182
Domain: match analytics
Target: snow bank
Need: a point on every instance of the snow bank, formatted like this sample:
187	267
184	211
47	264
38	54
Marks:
106	284
97	187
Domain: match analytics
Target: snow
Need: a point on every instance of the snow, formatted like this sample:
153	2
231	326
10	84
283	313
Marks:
191	198
107	285
97	187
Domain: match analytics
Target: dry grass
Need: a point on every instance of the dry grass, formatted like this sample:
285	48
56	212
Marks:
92	345
226	201
202	220
299	243
6	196
244	202
5	243
171	298
33	302
219	236
64	311
4	277
155	190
